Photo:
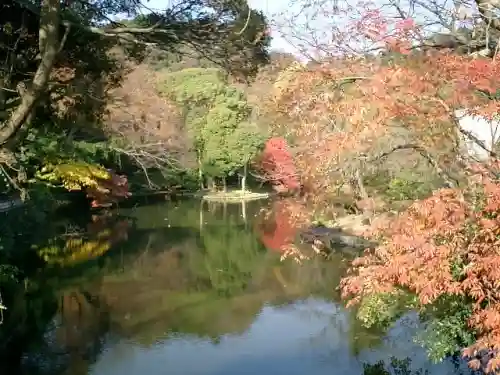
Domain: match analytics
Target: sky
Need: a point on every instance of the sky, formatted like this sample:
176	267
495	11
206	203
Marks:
269	7
319	28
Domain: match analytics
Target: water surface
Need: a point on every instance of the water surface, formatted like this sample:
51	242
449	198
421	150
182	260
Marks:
181	288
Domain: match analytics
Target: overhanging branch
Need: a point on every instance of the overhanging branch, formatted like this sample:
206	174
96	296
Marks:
49	47
487	10
450	182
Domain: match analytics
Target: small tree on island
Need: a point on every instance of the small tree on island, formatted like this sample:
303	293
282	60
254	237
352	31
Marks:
245	143
216	115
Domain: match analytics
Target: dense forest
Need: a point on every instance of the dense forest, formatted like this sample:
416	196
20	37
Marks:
95	110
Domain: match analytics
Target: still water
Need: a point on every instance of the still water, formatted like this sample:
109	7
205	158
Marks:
189	289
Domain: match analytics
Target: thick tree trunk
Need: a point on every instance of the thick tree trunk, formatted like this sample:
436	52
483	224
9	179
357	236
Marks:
49	46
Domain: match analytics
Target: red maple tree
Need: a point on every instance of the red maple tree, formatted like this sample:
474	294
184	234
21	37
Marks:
277	165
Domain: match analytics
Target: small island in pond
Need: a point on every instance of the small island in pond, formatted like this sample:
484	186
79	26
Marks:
235	196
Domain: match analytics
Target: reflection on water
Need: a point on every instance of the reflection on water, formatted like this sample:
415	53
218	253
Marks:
167	289
101	233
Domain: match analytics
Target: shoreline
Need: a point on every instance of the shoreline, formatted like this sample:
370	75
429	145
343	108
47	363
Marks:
233	196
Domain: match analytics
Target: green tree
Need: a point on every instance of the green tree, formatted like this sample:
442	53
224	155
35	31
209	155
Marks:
222	121
217	115
196	90
231	141
245	142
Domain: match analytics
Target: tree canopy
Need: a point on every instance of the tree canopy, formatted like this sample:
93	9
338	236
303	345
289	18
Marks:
218	116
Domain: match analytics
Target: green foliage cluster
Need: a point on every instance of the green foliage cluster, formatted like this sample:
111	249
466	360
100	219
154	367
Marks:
445	322
447	330
51	159
400	189
43	146
382	309
218	117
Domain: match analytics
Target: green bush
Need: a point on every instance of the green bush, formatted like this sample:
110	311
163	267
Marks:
401	189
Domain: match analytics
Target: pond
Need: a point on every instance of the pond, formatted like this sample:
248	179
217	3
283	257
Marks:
191	289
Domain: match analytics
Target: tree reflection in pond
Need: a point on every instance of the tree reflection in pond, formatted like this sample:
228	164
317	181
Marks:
168	284
227	259
101	234
275	228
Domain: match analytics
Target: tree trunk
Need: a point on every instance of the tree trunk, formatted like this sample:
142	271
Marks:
224	184
200	173
244	178
49	46
363	194
361	185
211	184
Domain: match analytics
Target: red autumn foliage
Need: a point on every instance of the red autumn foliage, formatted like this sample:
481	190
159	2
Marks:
451	227
345	109
376	27
407	102
109	191
278	230
277	165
